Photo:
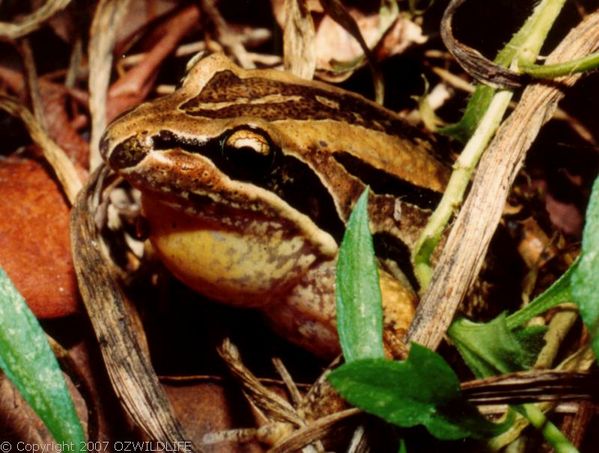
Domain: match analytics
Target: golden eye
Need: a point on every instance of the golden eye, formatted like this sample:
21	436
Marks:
244	138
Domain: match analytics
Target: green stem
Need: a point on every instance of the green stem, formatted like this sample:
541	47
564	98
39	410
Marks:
545	14
561	69
524	48
550	432
458	182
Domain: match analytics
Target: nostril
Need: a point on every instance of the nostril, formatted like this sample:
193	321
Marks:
126	154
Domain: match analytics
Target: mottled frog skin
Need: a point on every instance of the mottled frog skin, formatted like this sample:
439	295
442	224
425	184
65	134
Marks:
248	178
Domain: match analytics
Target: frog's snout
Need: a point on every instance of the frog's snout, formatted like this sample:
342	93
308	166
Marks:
125	154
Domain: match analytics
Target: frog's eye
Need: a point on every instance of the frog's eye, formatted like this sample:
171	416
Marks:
248	139
247	154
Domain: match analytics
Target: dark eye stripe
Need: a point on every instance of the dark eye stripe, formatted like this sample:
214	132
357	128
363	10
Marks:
286	176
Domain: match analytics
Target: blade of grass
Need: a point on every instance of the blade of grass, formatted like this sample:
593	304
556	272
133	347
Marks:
358	295
585	284
28	362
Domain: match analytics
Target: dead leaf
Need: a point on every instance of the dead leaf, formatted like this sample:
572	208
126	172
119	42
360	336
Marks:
134	86
34	238
206	407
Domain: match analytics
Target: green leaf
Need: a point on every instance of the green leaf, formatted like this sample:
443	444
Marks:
559	292
585	281
28	362
358	295
422	390
492	348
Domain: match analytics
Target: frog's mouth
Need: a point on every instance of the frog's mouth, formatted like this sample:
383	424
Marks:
193	184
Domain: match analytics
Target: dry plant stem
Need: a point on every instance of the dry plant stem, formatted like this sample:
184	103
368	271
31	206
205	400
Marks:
254	37
359	441
475	64
33	83
33	21
315	430
233	435
74	63
102	38
281	421
299	50
469	239
532	386
500	409
127	363
294	392
526	44
267	401
559	327
458	182
56	157
226	36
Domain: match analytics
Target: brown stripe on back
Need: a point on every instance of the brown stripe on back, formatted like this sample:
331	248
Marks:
313	104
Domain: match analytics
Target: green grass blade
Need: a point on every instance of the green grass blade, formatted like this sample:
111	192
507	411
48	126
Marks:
27	360
585	281
358	295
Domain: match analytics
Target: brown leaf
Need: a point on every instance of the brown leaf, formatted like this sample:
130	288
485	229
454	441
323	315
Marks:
133	87
19	422
57	120
34	238
139	14
59	124
206	408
